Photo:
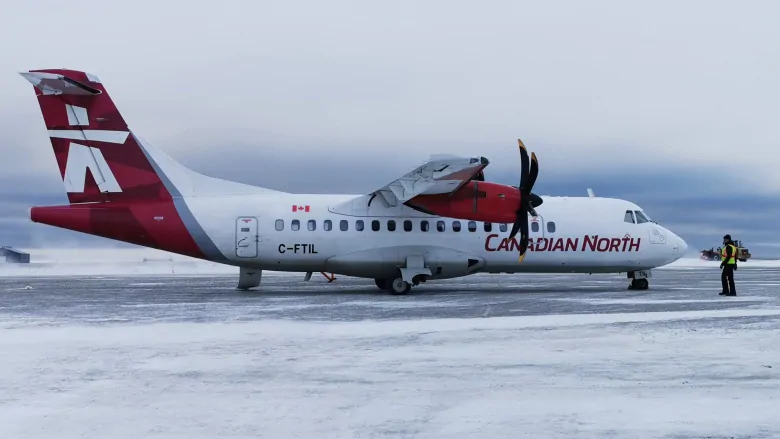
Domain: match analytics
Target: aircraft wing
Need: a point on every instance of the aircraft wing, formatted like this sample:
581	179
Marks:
441	174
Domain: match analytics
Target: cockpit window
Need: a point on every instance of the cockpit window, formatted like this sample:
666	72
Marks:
640	217
629	217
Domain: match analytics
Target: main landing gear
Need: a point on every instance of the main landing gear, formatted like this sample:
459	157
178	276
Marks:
639	279
398	286
412	273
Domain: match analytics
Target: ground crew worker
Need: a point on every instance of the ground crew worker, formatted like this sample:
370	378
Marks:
728	263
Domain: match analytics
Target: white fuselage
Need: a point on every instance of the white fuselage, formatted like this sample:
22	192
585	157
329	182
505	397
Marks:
571	235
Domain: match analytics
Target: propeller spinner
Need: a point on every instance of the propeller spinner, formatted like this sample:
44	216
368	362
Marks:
528	200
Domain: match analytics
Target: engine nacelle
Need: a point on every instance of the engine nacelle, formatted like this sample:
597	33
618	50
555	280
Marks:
476	200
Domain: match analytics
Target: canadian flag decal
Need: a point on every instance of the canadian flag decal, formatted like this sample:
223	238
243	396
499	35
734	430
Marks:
297	208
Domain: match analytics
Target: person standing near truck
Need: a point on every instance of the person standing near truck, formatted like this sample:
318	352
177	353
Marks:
728	265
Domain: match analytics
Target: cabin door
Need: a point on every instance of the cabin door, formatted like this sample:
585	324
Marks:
246	237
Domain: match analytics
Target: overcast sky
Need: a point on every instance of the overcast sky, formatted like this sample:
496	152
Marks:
673	105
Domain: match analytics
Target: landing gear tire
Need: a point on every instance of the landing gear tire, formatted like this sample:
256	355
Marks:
398	286
639	284
381	283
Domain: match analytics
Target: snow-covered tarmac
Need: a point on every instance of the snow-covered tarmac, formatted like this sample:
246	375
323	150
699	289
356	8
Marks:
167	349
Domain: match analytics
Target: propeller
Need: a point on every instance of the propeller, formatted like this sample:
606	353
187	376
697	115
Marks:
528	200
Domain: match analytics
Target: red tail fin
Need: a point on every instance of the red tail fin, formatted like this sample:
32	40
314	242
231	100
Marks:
101	160
98	156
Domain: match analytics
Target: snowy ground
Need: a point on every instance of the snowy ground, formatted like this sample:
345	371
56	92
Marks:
537	356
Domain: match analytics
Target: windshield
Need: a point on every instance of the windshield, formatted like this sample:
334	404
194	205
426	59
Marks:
641	218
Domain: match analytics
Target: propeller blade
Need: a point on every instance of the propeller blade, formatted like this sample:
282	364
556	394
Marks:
532	173
515	229
523	165
528	175
523	240
535	200
520	258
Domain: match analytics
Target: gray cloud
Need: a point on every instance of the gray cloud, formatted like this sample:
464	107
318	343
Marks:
668	83
671	103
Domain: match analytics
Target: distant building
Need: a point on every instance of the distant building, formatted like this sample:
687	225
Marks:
13	256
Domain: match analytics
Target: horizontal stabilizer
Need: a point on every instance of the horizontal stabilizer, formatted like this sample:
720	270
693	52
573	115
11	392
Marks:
56	84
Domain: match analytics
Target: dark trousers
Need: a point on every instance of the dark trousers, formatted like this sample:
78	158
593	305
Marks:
727	279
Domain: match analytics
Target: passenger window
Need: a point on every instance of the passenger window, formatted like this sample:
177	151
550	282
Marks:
551	227
391	225
456	226
629	218
359	225
375	225
488	227
441	226
535	226
407	225
472	226
344	225
295	225
279	225
312	225
327	225
640	217
502	227
424	225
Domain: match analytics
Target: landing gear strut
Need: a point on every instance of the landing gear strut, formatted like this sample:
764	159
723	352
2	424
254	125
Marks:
639	280
330	278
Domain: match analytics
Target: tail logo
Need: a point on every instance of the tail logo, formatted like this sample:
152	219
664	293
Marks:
77	115
81	158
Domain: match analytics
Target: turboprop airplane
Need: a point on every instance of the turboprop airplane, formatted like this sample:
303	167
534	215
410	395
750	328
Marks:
441	220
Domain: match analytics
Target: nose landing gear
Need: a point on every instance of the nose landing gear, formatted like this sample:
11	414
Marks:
639	279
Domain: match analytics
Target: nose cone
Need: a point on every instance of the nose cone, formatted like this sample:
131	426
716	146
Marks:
682	246
679	246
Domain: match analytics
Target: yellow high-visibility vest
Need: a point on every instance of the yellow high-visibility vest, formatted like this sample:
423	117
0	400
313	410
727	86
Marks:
733	259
